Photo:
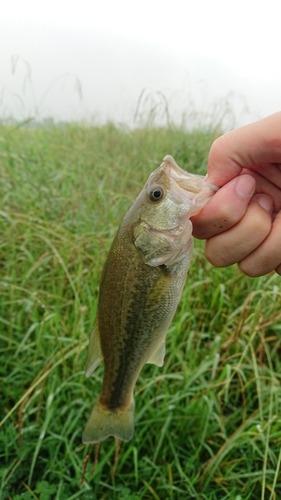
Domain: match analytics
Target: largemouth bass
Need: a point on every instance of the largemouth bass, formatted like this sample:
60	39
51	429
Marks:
140	288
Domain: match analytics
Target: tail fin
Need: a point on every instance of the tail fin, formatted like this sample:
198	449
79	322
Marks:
104	423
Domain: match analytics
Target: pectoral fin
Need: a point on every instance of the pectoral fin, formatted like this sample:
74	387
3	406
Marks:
157	357
94	351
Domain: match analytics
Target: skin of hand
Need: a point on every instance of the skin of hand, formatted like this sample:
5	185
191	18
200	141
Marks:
242	222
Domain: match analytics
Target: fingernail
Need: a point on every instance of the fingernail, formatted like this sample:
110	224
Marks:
265	202
245	186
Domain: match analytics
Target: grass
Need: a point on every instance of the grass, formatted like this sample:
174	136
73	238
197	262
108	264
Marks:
207	423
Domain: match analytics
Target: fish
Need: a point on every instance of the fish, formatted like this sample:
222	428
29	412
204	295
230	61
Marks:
140	288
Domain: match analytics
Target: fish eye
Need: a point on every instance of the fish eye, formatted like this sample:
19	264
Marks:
156	194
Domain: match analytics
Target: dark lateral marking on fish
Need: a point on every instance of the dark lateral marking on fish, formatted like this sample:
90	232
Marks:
139	328
138	333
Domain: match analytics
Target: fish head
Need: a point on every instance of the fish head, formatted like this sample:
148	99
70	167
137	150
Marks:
172	194
163	230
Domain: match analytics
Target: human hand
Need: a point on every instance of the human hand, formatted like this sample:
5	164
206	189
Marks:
242	222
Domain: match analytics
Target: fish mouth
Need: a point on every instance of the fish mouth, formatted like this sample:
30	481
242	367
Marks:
189	187
192	183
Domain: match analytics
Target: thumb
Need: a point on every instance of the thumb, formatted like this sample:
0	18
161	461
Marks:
225	208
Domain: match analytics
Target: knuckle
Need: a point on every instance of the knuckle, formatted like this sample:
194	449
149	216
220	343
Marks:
216	148
249	270
255	266
214	255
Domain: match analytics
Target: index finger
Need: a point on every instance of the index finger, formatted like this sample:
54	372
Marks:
244	147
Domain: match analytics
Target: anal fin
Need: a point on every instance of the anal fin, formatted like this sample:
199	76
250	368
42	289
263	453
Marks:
158	356
94	356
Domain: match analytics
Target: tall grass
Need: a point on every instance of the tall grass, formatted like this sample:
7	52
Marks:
207	423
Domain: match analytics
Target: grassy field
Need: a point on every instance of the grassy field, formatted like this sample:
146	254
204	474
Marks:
207	423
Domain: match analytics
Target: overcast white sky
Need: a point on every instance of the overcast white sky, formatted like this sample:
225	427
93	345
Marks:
105	59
